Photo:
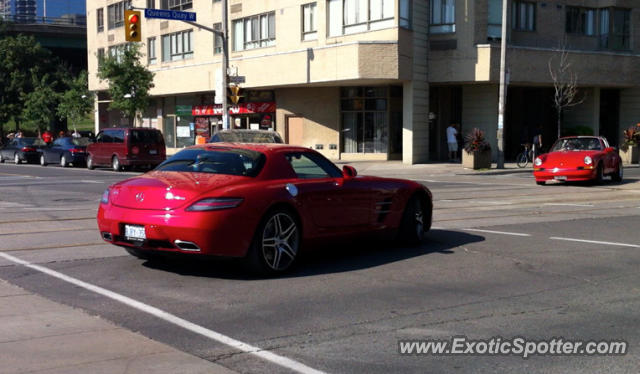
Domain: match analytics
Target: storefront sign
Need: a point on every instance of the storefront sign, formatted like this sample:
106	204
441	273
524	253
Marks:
183	110
242	108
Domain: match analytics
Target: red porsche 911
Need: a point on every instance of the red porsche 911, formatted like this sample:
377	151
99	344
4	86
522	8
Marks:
258	201
578	158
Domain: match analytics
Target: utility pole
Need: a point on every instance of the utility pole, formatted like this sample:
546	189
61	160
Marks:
225	65
502	100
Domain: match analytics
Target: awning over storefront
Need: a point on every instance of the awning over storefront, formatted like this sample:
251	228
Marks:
242	108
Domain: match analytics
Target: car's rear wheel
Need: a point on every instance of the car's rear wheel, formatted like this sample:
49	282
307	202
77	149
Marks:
276	243
412	228
1	159
16	159
63	161
619	173
115	164
90	164
43	161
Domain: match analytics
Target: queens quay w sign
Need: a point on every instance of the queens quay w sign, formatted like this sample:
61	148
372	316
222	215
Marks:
170	14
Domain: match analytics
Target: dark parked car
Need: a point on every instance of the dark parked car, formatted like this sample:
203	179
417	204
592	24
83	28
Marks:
123	147
21	150
246	136
65	151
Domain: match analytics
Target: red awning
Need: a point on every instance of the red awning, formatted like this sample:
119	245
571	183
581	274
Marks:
242	108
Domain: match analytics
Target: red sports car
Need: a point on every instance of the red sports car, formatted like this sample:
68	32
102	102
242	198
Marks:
259	201
578	158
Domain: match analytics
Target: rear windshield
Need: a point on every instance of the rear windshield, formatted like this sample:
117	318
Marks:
220	161
146	137
248	137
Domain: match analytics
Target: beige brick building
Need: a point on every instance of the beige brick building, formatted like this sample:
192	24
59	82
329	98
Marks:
377	79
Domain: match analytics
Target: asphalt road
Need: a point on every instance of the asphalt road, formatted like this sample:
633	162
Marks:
505	258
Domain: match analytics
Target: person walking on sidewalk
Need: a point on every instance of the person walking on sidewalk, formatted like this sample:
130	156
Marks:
452	141
537	143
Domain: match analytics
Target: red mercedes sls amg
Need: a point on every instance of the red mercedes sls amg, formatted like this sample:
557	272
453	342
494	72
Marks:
259	201
578	158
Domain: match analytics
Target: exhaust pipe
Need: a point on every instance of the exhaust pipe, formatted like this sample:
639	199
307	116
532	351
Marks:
107	236
186	246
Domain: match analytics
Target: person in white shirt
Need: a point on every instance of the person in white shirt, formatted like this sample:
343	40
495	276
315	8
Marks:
452	141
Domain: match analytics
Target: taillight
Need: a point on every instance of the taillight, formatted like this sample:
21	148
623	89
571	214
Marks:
76	150
135	150
105	197
28	149
215	204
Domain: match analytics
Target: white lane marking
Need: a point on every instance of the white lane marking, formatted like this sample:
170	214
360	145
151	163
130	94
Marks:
595	242
90	181
567	204
478	183
244	347
498	232
446	200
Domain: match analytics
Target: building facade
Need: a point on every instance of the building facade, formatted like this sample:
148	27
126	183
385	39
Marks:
376	79
18	10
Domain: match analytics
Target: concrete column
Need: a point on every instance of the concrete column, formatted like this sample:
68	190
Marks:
96	114
415	133
596	111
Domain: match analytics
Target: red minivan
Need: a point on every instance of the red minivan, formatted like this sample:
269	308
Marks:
123	147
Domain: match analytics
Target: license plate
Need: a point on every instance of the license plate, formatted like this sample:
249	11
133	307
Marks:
153	152
134	232
560	178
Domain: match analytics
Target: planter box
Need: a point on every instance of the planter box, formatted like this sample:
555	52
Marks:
630	156
476	160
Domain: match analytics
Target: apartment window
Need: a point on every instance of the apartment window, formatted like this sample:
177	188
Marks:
176	4
254	32
494	21
100	19
581	21
364	112
523	16
100	56
615	29
217	39
117	52
151	51
443	16
405	14
115	14
309	28
352	16
151	4
177	46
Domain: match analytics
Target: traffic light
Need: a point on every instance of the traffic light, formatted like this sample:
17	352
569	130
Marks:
234	94
132	27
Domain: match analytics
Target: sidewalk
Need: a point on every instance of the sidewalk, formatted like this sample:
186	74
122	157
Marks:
41	336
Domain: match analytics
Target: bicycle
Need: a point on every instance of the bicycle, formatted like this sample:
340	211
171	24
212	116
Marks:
525	156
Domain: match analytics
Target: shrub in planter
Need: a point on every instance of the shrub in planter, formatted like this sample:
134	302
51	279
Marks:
629	149
477	150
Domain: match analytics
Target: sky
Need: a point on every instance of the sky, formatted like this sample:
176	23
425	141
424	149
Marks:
56	8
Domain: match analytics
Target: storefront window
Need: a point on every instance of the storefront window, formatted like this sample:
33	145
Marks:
365	119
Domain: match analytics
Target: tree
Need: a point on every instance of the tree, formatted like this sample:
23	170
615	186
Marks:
565	83
77	101
23	64
40	104
129	81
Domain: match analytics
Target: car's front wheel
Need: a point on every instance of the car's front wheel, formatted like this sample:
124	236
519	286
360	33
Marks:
115	164
276	243
43	161
599	174
16	159
63	161
619	173
412	228
90	164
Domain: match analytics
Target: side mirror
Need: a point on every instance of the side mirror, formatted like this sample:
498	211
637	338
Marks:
349	171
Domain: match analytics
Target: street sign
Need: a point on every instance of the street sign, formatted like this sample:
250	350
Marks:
170	14
237	79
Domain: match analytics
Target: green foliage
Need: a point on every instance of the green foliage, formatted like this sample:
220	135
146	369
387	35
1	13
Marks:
40	104
77	101
631	137
26	68
475	141
577	131
129	81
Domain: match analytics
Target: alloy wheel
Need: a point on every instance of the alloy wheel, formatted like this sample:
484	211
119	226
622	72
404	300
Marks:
280	241
90	162
16	158
63	161
43	162
115	164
